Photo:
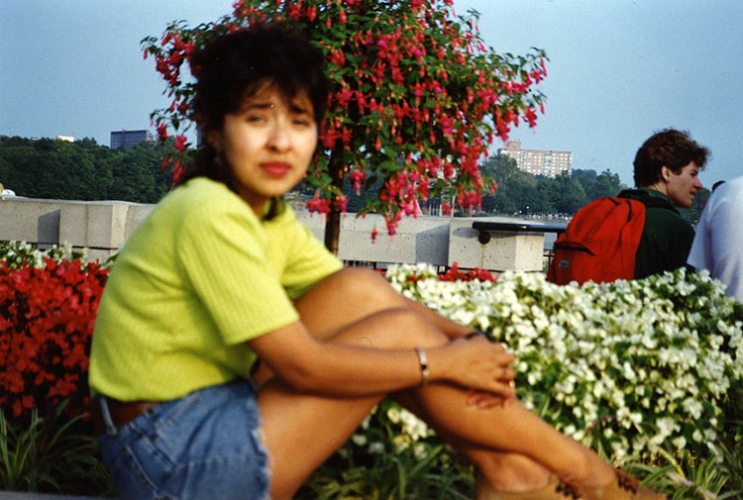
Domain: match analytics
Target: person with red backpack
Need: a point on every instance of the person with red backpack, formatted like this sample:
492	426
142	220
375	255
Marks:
639	232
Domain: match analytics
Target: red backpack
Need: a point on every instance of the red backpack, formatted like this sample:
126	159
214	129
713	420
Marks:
600	243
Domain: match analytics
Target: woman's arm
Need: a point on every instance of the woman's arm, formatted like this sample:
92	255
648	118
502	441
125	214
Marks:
340	368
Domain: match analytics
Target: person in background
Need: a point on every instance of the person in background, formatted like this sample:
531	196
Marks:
666	169
233	354
718	244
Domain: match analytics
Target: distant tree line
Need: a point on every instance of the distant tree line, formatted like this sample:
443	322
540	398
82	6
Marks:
524	194
85	170
82	170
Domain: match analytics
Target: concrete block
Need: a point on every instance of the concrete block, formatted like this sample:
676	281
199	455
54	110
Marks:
95	225
314	222
33	221
517	251
137	213
48	228
422	239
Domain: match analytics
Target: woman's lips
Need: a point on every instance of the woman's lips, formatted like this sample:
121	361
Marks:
276	169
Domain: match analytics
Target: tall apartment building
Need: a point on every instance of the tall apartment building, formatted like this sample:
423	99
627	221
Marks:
126	139
537	161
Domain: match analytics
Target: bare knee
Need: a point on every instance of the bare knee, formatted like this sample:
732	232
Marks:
358	305
354	285
344	298
395	328
407	329
365	286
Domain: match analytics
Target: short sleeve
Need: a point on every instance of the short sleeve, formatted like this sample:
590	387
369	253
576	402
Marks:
303	259
223	252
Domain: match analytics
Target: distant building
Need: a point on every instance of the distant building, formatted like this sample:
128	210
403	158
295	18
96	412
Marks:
67	138
126	139
537	161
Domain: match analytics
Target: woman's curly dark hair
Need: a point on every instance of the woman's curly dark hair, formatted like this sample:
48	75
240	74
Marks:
231	67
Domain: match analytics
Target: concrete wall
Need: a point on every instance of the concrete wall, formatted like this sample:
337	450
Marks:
102	227
424	239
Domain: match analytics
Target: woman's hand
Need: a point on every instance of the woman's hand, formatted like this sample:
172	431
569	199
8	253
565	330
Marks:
476	364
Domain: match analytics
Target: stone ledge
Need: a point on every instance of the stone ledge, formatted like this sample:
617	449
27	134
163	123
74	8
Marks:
102	227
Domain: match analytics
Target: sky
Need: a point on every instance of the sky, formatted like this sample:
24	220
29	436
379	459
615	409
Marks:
619	70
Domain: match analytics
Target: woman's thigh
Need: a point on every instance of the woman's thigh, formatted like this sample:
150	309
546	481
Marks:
205	445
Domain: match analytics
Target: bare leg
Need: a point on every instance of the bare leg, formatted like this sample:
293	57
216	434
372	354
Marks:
319	425
512	447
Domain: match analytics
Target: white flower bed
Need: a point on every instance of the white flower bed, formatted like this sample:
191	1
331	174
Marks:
14	254
634	368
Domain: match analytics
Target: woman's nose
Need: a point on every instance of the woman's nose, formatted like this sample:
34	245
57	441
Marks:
280	136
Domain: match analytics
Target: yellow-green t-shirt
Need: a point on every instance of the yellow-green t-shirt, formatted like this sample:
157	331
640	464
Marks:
199	277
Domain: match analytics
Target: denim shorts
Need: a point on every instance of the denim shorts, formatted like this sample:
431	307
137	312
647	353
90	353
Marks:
205	445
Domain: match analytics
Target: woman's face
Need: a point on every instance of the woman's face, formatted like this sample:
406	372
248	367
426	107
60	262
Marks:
268	144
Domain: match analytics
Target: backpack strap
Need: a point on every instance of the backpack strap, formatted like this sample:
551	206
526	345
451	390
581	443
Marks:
647	200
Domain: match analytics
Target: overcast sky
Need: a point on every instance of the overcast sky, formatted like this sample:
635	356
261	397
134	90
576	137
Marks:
619	70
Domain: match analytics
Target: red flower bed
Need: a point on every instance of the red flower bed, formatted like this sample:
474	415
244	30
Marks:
456	274
46	325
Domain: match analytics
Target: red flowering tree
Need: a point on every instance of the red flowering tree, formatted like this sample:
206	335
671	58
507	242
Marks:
417	98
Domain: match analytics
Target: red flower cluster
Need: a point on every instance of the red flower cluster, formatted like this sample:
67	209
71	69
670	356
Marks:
46	324
454	274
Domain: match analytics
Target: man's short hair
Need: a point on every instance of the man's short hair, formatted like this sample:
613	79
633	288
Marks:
669	148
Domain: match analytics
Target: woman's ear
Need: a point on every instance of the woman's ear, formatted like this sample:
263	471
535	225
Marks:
214	139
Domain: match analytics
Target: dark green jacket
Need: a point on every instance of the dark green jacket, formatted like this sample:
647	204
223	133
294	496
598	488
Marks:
666	239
